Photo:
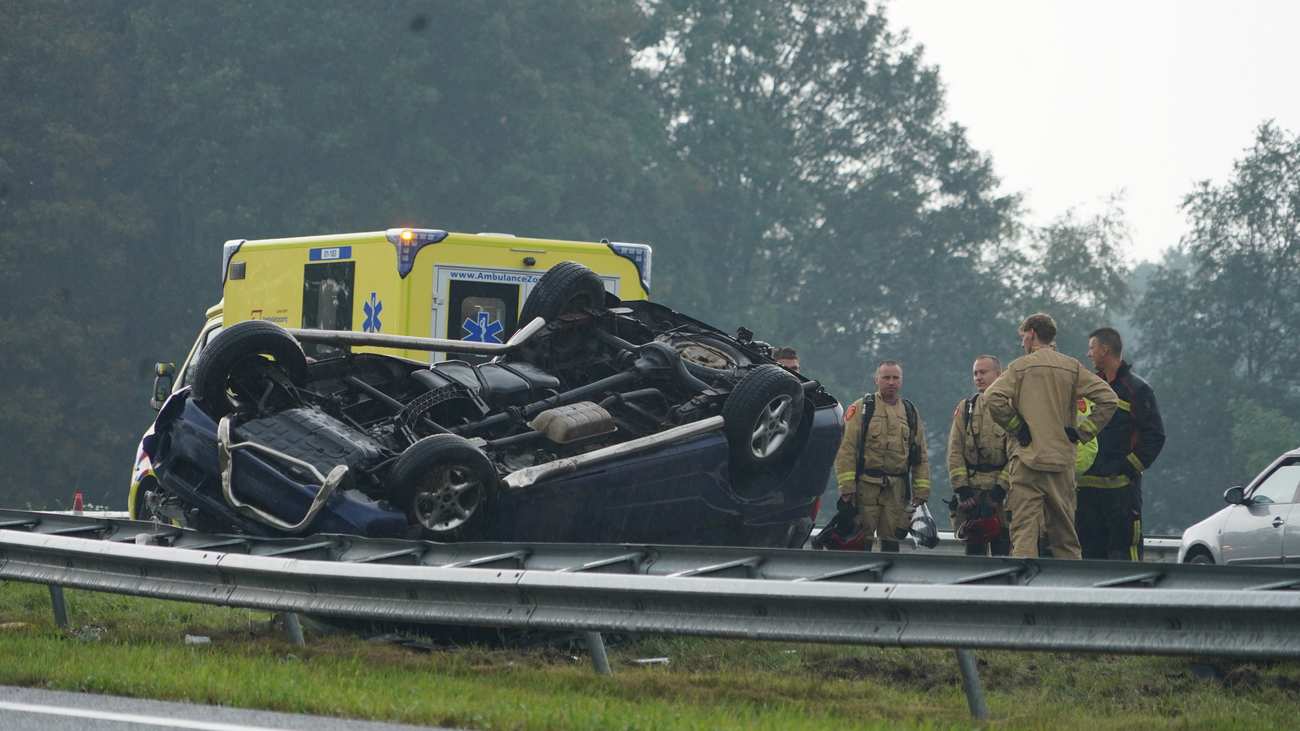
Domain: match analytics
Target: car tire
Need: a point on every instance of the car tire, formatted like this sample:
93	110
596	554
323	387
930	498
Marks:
1199	556
223	356
761	417
566	287
445	485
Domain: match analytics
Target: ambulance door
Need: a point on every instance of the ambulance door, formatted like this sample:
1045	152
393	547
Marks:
482	304
327	294
477	304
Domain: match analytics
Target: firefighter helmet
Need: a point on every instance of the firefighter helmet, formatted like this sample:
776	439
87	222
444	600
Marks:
923	531
984	529
842	533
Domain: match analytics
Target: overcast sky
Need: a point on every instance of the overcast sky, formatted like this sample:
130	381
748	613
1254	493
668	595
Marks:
1077	100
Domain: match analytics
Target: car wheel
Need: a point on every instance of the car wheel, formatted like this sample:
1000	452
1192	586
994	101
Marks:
1199	556
761	417
564	288
445	485
237	362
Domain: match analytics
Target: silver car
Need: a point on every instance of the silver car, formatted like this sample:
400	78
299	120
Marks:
1261	524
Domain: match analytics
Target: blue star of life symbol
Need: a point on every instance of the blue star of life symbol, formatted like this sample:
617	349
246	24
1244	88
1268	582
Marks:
482	329
372	308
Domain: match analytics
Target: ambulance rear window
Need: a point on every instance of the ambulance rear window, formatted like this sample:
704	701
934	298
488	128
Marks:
485	312
327	301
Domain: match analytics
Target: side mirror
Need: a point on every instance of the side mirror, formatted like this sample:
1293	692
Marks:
1235	495
164	375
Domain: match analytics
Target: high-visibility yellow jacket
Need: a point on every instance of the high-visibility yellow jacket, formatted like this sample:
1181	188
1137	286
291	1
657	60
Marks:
1086	453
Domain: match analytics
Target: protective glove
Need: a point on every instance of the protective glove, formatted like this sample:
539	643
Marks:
964	500
1022	435
1073	435
999	494
848	502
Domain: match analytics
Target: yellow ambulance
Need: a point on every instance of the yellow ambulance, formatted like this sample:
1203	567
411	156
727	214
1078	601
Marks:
402	281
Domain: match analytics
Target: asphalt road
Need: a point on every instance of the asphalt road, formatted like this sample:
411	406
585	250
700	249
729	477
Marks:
30	709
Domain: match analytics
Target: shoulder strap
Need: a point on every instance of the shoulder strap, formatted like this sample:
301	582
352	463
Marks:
912	419
868	410
970	409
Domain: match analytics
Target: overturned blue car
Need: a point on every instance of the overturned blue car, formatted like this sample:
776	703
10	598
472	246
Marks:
598	421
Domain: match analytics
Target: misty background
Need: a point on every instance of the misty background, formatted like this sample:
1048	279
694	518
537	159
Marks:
795	166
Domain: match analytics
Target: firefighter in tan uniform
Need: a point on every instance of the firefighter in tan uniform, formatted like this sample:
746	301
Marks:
1035	399
882	465
978	450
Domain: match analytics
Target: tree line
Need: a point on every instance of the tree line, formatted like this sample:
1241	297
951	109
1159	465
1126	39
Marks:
793	165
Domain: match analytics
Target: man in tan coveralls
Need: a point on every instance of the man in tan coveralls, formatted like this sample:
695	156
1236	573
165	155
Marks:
1035	401
978	450
873	469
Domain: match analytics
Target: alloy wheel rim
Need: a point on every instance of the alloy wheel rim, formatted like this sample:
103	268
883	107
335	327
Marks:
452	498
772	427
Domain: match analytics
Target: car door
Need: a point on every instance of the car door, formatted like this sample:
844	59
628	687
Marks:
1253	532
1291	534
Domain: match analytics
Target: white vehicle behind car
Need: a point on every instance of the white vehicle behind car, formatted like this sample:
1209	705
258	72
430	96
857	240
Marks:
1260	526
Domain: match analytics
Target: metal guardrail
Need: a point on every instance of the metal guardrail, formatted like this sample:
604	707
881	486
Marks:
820	596
1159	549
924	567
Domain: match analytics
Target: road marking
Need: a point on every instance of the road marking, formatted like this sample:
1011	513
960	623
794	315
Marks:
132	718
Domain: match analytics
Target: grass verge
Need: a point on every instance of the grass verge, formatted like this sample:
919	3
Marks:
135	647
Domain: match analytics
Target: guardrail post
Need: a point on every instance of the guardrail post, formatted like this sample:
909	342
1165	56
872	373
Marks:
60	607
970	682
293	628
596	645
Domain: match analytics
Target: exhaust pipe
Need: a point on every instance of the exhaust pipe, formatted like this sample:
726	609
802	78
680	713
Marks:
526	477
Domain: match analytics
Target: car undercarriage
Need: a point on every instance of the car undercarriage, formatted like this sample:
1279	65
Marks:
589	384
